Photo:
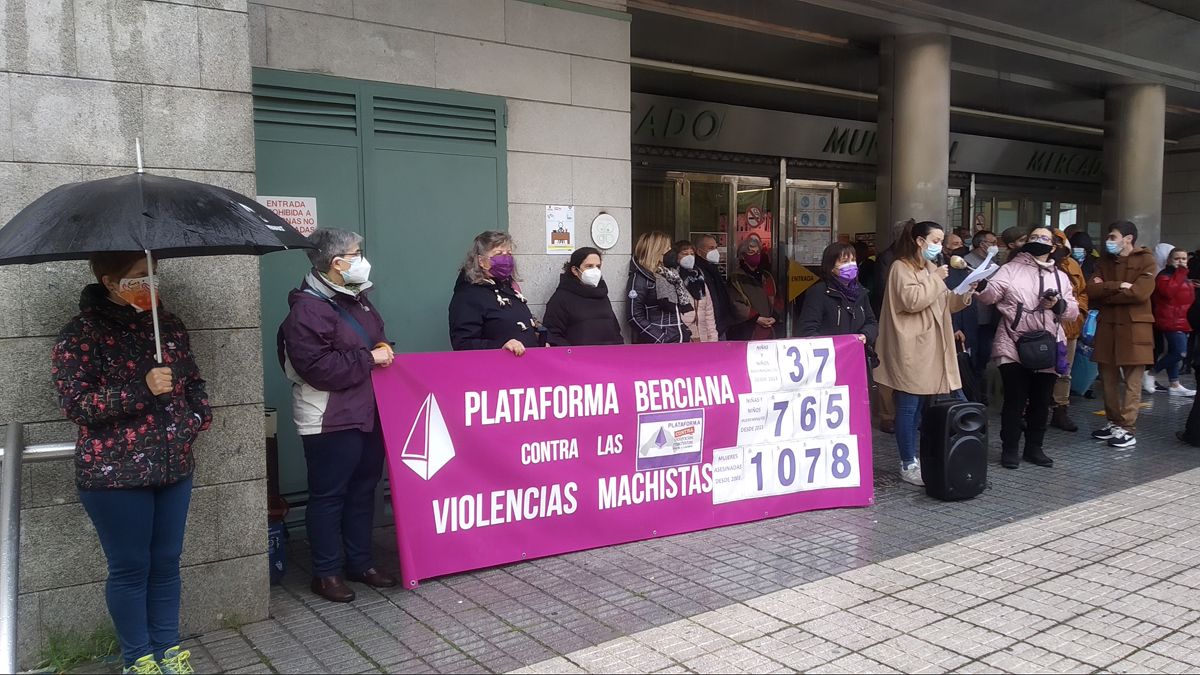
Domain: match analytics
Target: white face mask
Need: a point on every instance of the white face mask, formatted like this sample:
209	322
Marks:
359	272
591	276
713	256
687	262
993	249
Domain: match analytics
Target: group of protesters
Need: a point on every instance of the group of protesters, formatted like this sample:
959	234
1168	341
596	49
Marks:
139	414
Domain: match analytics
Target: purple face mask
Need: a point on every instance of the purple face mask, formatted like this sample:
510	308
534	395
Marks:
502	266
848	272
753	260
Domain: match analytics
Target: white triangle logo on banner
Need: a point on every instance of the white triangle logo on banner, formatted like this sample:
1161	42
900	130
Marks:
428	447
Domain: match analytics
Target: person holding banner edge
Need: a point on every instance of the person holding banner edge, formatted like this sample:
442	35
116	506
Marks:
916	335
329	344
487	310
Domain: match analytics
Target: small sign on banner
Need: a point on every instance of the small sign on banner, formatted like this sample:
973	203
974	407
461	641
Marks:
560	229
565	450
299	212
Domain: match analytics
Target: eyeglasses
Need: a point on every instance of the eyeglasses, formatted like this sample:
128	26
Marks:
1042	238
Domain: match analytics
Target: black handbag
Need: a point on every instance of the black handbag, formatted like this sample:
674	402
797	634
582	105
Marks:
1037	349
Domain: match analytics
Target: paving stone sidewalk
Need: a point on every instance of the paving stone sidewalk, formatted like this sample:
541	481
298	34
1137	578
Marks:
1090	566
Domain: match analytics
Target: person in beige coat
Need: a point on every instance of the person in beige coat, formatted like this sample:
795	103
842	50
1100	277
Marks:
917	356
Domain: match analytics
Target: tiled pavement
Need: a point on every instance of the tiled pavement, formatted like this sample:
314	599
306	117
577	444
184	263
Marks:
1087	567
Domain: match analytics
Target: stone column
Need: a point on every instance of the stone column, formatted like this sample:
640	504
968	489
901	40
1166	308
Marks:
914	130
1134	126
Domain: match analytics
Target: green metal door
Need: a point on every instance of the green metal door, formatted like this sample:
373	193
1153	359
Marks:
418	172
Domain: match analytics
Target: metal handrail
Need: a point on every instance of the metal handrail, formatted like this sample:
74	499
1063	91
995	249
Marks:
10	531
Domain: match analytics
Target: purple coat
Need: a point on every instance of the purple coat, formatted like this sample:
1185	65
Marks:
327	360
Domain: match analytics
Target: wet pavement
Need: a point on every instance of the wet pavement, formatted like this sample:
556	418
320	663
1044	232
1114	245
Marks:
1089	566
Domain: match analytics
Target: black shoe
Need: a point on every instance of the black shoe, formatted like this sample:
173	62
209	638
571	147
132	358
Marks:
1010	459
1038	457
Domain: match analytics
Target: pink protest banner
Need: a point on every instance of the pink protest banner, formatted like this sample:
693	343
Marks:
495	459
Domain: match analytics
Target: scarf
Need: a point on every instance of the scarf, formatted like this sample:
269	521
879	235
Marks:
669	286
848	290
696	285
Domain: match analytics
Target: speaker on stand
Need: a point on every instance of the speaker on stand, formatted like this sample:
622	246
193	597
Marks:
954	450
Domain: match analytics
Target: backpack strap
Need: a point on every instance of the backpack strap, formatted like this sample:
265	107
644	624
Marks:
346	316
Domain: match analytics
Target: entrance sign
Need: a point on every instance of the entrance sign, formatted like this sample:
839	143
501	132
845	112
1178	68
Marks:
300	212
495	459
560	229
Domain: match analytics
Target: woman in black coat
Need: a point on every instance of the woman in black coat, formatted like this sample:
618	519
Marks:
580	313
488	310
838	305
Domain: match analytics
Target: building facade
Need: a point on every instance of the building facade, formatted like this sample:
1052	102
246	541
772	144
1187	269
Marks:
420	123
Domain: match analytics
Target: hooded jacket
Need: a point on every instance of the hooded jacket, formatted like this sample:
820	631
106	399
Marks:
579	315
1016	292
1125	330
325	358
1173	298
128	438
488	314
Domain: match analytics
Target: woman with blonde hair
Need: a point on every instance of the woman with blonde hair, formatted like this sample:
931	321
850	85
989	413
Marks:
657	298
488	310
916	349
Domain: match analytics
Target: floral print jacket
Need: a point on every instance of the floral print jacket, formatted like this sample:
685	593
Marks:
128	438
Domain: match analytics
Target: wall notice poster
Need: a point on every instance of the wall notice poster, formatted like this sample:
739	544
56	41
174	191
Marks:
560	229
811	222
299	212
586	447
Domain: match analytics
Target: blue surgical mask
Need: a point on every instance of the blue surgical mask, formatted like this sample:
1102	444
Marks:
1078	254
932	251
1113	247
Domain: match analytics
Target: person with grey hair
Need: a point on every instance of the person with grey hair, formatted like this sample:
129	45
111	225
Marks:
488	310
330	342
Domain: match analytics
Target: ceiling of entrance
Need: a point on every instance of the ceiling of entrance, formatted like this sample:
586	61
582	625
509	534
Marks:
1047	64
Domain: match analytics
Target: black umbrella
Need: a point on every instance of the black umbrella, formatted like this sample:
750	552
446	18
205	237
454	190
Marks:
163	217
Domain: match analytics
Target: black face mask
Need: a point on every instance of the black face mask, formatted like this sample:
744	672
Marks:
1037	249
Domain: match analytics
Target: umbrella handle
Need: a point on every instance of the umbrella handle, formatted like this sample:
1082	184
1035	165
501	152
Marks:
154	308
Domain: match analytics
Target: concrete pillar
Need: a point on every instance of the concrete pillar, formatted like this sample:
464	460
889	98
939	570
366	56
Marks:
914	130
1134	127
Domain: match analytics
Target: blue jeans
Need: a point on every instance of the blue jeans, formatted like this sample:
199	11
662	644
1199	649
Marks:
141	532
1174	354
909	408
343	469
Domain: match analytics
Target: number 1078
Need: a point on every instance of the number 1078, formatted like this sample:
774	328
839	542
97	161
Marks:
812	465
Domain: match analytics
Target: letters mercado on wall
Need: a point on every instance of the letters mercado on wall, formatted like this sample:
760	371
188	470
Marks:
584	447
699	125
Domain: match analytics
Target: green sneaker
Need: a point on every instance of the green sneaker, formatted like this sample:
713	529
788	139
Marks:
176	660
144	666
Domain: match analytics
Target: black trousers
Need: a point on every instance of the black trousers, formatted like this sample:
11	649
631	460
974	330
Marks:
1191	433
343	469
1025	390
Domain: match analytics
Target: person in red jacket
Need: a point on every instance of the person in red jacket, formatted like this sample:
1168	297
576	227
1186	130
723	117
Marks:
1173	297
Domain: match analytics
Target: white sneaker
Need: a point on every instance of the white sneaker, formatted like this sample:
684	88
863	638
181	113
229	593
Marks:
1122	439
912	474
1180	390
1149	384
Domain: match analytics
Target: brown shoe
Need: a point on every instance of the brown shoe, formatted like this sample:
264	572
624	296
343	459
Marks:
1062	420
373	578
333	589
887	426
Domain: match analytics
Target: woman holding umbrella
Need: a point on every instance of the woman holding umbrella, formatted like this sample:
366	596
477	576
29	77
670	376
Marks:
138	420
329	343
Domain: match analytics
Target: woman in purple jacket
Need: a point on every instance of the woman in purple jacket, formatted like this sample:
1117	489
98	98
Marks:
329	343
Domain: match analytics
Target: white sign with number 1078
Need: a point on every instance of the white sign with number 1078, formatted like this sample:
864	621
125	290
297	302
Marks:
785	468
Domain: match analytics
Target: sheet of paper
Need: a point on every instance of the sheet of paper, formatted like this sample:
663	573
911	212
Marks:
985	270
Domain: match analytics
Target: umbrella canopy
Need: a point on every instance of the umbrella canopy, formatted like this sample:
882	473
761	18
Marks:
169	217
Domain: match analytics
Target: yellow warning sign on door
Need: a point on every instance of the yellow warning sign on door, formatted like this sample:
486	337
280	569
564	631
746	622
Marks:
799	279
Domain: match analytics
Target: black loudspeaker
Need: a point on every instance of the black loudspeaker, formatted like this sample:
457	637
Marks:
954	447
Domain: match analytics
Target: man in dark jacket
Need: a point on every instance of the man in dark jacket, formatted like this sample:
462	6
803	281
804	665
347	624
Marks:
329	343
707	259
